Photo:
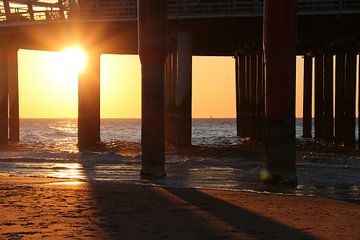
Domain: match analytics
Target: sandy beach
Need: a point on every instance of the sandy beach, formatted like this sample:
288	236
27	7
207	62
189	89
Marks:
35	208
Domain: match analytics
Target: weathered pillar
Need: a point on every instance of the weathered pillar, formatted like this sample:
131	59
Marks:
152	22
237	94
350	89
3	96
246	97
240	88
247	105
170	80
260	101
89	103
179	85
307	101
319	96
247	117
13	96
280	36
339	97
359	101
328	98
253	79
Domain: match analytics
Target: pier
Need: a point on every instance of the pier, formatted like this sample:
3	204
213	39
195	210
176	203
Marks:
264	37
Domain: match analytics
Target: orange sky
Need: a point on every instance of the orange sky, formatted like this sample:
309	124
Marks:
48	86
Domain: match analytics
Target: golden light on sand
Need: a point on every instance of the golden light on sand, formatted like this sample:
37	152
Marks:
75	58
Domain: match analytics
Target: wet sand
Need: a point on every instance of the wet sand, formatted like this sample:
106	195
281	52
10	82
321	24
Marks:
34	208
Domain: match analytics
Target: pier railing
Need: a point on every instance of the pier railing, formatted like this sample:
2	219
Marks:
126	10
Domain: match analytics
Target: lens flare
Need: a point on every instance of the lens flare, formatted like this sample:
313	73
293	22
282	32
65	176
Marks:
75	57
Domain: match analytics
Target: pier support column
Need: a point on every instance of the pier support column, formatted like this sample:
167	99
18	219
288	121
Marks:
13	97
339	97
240	95
280	36
307	102
350	89
253	81
152	22
89	103
359	100
179	92
319	97
260	101
247	102
237	94
328	98
4	96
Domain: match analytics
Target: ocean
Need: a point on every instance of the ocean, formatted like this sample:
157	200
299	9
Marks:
218	159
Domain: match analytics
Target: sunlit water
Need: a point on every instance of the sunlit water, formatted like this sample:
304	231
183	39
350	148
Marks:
219	159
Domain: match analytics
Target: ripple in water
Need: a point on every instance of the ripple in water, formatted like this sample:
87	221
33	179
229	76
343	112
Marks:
219	159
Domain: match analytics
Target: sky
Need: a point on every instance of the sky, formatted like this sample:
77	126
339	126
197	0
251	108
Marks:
48	86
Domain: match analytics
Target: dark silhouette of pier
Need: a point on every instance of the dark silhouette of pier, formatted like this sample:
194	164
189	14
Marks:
264	37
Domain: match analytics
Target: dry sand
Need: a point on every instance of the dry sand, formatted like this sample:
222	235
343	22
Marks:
33	208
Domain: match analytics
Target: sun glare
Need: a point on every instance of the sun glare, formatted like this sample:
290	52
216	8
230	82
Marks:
75	58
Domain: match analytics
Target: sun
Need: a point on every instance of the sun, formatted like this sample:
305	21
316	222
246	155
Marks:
75	58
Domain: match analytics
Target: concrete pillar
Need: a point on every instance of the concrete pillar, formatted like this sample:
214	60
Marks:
13	97
359	101
319	96
237	94
179	86
89	103
240	95
328	98
280	37
170	75
247	98
253	80
339	97
350	89
260	101
3	96
152	22
307	101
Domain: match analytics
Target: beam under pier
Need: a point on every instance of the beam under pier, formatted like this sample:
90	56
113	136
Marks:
179	91
307	101
14	126
152	21
280	37
4	125
89	103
